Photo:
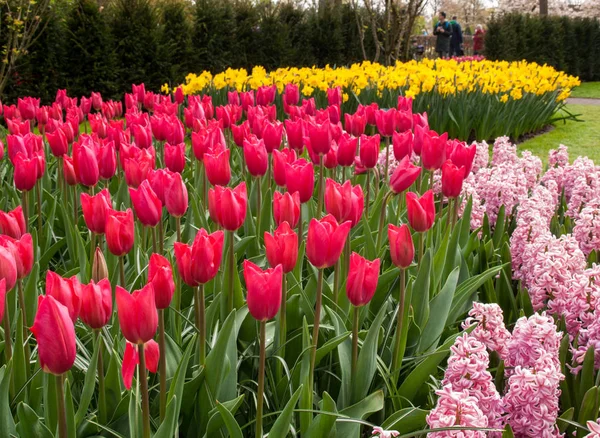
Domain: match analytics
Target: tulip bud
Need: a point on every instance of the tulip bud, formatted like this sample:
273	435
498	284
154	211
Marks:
96	303
206	256
138	317
356	123
69	171
402	250
218	170
25	174
58	143
386	121
272	134
433	150
146	204
13	223
295	133
282	247
452	179
320	136
286	208
175	157
2	297
338	199
280	159
369	150
420	211
346	150
325	241
256	156
228	205
334	96
94	210
300	177
402	144
131	359
463	156
161	277
176	195
119	231
404	175
264	290
67	291
55	335
8	267
362	279
22	251
99	268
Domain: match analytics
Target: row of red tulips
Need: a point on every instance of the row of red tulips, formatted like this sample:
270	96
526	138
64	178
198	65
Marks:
127	147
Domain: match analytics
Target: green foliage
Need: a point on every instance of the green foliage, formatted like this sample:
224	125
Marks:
568	44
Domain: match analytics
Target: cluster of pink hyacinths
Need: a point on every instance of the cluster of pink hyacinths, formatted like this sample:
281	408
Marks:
529	403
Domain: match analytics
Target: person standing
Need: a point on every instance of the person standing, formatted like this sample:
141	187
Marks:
457	38
443	32
478	40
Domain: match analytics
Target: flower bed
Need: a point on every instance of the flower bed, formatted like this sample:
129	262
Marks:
289	273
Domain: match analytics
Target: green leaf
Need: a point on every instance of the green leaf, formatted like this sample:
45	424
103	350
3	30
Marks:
178	381
50	408
7	424
568	416
89	384
324	421
306	398
344	351
31	293
21	366
30	425
366	366
282	425
232	426
588	410
407	420
440	307
371	252
216	419
69	410
361	410
167	428
508	433
328	346
135	416
587	374
112	385
420	291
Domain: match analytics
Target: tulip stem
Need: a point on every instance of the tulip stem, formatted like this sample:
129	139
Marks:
258	205
75	207
300	225
154	245
321	188
101	392
387	158
282	322
336	280
396	359
162	366
230	268
368	190
92	247
355	324
24	203
38	192
204	188
177	227
344	174
315	336
22	304
382	218
7	339
421	238
261	380
62	414
454	212
122	270
201	323
161	233
144	388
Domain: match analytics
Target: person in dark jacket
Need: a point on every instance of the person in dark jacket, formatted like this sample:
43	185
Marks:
443	31
457	38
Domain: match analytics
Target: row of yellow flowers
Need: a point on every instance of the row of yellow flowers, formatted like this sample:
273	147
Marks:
447	77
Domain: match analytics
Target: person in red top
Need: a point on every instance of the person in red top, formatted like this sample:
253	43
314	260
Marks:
478	40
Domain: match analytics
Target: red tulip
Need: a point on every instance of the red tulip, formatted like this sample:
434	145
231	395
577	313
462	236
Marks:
229	205
247	98
131	359
175	157
107	160
15	127
420	211
433	151
206	255
369	150
22	251
146	204
233	98
320	136
362	279
282	247
13	223
334	96
404	176
347	150
240	133
402	250
386	121
86	162
139	91
255	156
405	103
137	169
355	123
218	170
69	171
463	156
272	134
300	177
403	144
179	96
27	107
370	111
295	133
420	120
176	195
161	277
96	303
25	174
338	199
94	210
86	104
280	160
8	267
264	290
183	257
286	208
55	335
138	317
119	231
358	205
291	94
57	142
265	95
142	135
2	297
325	241
404	120
452	179
66	291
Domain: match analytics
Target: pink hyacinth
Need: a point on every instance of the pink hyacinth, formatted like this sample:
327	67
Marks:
533	338
587	227
558	157
594	427
488	320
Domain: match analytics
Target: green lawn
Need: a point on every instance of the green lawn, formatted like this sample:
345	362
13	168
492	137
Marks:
587	89
582	138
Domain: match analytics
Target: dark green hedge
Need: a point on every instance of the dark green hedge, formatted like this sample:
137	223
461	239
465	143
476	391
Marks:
88	48
568	44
